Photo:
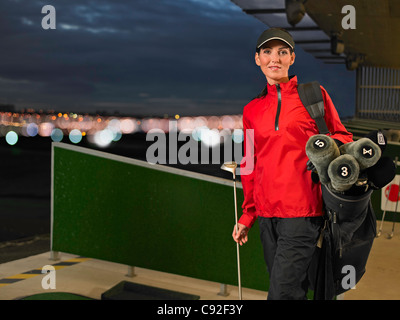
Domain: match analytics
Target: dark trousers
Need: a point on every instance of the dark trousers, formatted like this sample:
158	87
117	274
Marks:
289	244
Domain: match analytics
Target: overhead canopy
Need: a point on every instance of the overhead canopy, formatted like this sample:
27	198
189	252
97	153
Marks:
373	42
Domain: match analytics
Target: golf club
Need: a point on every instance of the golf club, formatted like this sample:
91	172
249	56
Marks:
231	167
390	236
387	199
384	212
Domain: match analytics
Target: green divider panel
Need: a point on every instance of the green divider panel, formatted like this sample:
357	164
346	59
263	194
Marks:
127	211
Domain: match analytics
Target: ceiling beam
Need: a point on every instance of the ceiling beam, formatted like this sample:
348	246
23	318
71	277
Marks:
262	11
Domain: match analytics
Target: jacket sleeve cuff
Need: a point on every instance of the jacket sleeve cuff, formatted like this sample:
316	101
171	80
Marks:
248	218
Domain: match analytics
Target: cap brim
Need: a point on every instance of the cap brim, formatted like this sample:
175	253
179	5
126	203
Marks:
275	38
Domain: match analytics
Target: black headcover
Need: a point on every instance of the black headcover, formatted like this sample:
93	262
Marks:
381	173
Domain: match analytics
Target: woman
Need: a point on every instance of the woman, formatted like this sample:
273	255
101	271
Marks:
280	191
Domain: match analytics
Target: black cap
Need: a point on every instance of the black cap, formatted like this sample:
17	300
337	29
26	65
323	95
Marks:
275	34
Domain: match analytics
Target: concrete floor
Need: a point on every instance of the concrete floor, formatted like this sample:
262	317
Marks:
382	278
92	277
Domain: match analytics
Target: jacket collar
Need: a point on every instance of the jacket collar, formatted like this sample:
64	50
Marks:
285	86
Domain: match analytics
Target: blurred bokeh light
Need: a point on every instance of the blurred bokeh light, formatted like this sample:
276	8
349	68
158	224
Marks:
103	130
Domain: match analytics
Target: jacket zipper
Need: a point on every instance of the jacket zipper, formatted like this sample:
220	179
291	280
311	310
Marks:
278	110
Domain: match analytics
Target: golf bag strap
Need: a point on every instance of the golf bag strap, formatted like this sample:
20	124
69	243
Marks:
311	97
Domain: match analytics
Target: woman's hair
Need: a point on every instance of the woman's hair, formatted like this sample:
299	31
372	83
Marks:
263	93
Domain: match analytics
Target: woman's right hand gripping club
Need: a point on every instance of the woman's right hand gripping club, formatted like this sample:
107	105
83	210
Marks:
240	235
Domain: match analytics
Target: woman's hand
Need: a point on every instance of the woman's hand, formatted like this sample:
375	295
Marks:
240	236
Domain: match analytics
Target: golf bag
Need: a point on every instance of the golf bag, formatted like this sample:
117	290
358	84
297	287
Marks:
345	242
349	223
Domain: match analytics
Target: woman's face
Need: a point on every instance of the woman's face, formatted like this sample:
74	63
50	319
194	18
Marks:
274	59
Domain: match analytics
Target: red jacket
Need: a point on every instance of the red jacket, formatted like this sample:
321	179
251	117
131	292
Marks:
280	185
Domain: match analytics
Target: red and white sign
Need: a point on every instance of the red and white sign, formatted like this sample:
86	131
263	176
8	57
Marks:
391	196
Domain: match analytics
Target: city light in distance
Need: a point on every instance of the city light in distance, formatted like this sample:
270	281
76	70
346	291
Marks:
103	130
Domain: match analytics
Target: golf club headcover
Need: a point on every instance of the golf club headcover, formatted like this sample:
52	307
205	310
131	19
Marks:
381	173
365	151
343	172
321	150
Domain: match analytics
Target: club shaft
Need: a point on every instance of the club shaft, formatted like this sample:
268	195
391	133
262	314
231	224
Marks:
237	244
395	210
238	264
380	228
397	202
384	212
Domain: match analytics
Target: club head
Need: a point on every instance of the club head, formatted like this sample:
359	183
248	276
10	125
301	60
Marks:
230	167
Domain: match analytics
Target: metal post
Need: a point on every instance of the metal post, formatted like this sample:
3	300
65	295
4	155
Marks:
223	290
54	255
131	272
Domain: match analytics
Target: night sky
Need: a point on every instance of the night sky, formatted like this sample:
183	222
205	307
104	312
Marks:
188	57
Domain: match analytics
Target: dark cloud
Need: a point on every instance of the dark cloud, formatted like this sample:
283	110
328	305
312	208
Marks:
160	56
